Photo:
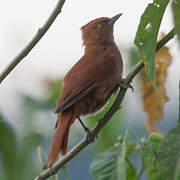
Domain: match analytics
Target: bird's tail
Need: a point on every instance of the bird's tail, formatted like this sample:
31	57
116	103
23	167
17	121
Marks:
60	141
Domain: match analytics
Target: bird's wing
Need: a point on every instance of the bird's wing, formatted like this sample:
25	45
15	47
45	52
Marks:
72	97
82	79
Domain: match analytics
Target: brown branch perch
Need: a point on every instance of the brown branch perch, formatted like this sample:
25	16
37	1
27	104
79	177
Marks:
115	107
40	33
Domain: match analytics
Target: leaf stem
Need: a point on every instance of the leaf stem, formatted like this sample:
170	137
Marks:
40	156
130	163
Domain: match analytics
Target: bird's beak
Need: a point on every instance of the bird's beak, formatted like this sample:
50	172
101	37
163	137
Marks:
114	19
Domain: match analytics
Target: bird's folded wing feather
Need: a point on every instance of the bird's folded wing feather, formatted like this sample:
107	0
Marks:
82	79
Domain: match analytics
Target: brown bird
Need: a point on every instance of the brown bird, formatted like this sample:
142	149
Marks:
89	84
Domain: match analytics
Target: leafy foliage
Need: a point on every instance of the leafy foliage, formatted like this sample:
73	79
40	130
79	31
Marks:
146	36
149	163
105	165
160	159
168	155
116	163
26	166
111	164
17	152
8	149
176	14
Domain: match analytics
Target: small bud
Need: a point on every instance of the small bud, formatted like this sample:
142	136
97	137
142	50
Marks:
120	139
155	137
143	140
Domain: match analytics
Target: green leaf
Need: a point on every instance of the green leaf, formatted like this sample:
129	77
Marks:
176	16
168	155
152	171
7	148
155	139
146	36
104	166
131	170
111	164
121	169
149	162
130	147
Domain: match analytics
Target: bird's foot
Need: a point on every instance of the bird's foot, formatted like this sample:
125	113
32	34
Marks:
90	138
124	86
86	129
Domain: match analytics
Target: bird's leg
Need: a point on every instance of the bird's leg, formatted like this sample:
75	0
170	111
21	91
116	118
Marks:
124	86
86	129
89	139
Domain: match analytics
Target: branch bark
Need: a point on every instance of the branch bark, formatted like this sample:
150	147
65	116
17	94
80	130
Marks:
40	33
101	123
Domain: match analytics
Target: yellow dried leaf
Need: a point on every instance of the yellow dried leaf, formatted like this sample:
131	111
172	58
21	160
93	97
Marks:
151	104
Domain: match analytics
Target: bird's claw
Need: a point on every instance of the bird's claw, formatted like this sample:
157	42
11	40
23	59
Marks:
86	130
124	86
91	139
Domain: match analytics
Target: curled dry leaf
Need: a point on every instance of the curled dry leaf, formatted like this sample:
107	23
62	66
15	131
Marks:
152	105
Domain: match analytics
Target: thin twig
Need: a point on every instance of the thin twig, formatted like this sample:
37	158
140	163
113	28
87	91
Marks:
40	33
40	156
101	123
163	41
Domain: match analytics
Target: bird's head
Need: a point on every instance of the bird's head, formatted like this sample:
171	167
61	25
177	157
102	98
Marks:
99	30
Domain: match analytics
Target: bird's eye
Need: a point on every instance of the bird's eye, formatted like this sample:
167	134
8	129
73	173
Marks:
100	26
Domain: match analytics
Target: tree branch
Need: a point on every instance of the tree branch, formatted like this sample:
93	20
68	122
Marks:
115	107
40	33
